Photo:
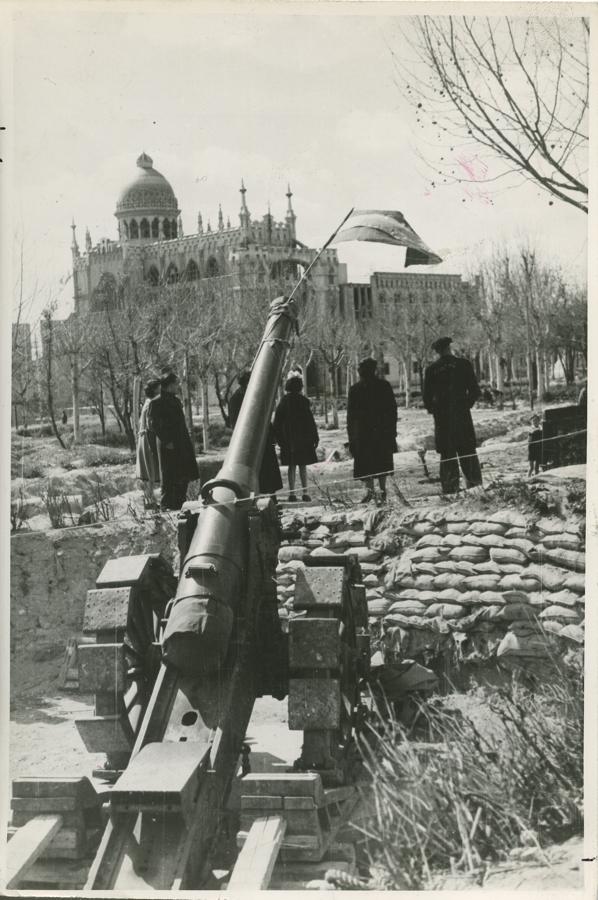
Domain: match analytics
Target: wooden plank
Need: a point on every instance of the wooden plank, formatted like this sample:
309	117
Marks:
299	803
68	875
314	643
40	805
105	734
264	802
256	861
79	787
102	668
124	570
27	845
300	784
74	819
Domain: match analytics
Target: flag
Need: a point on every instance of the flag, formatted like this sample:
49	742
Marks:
387	226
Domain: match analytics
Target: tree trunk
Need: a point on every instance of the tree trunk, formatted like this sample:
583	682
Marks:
513	368
407	377
136	403
101	410
187	397
205	413
325	398
500	375
75	393
334	396
540	373
49	392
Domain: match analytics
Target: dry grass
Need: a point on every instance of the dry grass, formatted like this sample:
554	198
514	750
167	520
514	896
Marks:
466	801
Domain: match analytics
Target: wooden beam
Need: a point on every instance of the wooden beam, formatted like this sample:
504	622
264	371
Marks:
256	861
28	844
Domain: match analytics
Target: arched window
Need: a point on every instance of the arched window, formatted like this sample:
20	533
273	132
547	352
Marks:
153	276
155	228
192	271
172	274
212	268
144	228
134	229
166	229
126	227
173	228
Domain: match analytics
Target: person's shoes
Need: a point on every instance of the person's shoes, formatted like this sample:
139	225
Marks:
306	498
367	497
292	498
383	497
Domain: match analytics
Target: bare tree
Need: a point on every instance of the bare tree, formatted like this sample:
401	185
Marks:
48	341
516	86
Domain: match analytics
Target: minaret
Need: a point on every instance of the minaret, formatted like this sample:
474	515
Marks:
180	226
228	222
209	226
87	240
244	216
74	244
290	216
269	223
220	218
199	223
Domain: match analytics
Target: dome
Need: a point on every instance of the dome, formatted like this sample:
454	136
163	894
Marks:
148	192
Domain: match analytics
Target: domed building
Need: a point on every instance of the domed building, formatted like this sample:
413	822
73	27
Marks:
152	249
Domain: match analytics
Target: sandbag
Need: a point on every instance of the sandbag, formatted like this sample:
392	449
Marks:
289	553
404	581
427	554
549	526
445	565
424	568
464	568
423	528
574	560
488	527
429	540
523	533
471	620
394	618
484	540
408	607
564	541
564	598
488	567
539	599
516	597
379	607
424	583
446	610
446	580
575	582
502	555
516	645
492	598
549	577
457	527
364	554
519	544
469	554
452	540
552	627
481	582
572	633
512	612
561	614
509	517
517	583
448	595
511	569
491	613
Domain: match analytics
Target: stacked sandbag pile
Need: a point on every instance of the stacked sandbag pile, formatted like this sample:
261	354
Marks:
473	585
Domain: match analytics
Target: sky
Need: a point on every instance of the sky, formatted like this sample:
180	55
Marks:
274	97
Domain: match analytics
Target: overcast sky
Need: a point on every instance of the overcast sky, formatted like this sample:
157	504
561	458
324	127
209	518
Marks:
309	99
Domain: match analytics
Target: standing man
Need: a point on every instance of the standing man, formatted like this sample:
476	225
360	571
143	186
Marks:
372	428
176	456
450	390
269	478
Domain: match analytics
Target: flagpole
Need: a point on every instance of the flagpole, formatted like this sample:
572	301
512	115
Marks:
318	254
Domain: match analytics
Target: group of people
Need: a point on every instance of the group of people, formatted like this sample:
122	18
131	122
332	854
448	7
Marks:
165	451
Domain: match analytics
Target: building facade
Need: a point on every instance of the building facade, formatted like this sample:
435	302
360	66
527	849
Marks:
152	249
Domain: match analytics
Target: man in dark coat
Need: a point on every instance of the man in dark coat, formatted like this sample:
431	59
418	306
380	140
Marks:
176	456
450	390
269	478
372	428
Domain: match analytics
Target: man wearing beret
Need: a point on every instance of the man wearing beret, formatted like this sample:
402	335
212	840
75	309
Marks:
450	390
176	456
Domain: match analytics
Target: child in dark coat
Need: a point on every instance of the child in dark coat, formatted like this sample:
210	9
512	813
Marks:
296	434
534	446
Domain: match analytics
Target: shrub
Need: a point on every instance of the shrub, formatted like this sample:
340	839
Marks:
476	795
58	507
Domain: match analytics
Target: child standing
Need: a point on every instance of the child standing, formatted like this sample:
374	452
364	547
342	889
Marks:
534	446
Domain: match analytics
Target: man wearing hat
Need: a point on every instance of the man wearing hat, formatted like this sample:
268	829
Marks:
450	390
176	456
372	427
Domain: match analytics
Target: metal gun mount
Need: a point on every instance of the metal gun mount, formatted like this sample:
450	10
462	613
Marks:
176	665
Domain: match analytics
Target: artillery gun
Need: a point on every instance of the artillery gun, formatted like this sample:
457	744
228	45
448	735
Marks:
176	666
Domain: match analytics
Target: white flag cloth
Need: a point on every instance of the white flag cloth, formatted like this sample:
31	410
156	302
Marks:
387	226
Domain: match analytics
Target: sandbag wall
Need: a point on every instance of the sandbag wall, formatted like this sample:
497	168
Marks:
455	589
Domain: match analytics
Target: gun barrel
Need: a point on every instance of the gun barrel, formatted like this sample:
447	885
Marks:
198	631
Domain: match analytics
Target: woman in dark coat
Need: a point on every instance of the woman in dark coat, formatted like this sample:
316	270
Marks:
372	427
148	467
176	456
269	475
296	434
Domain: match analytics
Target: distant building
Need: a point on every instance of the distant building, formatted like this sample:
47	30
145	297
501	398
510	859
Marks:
152	249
